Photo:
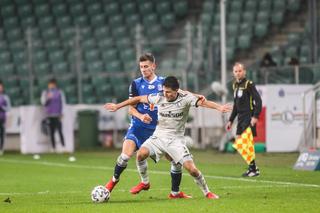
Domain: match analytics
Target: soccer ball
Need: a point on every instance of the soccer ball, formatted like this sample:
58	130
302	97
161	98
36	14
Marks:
100	194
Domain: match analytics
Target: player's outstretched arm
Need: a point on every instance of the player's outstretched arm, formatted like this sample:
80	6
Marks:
145	118
210	104
112	107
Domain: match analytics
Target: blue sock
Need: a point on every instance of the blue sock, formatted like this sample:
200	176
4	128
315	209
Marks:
121	165
117	171
175	181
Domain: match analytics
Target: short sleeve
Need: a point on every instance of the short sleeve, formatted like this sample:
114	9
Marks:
133	91
192	100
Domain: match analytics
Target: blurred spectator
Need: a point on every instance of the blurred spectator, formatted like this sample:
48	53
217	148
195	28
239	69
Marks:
293	61
267	61
5	106
53	99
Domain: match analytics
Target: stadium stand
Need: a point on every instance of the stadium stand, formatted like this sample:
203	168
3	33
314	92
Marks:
106	31
46	37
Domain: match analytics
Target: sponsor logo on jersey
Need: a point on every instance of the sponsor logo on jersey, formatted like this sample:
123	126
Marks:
151	87
171	115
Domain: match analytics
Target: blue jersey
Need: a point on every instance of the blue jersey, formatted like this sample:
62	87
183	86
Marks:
139	87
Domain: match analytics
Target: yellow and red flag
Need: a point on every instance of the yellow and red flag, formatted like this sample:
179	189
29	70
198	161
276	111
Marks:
244	145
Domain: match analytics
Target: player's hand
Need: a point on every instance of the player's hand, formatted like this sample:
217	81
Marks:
228	126
111	107
226	108
202	99
253	121
145	118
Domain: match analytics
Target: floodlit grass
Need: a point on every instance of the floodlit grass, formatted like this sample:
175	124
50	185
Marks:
53	184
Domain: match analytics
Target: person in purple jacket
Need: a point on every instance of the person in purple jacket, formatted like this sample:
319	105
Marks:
5	106
53	99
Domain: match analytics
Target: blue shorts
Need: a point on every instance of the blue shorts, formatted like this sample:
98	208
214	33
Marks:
138	134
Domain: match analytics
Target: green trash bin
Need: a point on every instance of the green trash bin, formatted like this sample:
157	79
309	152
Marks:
88	128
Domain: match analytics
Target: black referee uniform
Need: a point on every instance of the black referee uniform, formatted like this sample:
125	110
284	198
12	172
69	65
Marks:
247	104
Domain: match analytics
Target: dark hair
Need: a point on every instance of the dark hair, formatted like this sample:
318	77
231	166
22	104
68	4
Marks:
147	57
171	82
52	81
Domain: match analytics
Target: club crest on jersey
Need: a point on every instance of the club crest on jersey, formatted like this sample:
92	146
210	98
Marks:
240	93
160	87
142	86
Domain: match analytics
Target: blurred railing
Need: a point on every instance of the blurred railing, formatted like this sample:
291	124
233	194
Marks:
302	74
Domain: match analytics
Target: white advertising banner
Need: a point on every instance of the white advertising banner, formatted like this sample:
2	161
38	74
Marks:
285	116
13	120
35	140
27	121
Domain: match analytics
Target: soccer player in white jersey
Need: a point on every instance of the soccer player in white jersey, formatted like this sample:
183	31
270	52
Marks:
168	138
143	123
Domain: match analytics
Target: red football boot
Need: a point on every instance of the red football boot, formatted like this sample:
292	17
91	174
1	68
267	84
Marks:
138	188
111	184
211	195
180	195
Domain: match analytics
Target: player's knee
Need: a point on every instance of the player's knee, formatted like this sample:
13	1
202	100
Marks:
123	160
175	168
142	154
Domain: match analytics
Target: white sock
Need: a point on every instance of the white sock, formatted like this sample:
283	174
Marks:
174	193
142	168
114	179
201	182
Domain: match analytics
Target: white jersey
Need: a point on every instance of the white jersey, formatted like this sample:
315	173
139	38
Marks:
172	116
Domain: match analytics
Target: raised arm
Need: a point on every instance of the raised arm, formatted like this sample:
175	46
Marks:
132	101
212	105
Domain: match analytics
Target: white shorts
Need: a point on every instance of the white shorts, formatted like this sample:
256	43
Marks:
174	146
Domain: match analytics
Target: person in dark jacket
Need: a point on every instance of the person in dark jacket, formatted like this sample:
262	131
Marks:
267	61
5	106
53	99
247	106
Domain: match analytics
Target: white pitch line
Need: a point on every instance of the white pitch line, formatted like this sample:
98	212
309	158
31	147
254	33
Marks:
39	193
73	192
127	191
46	163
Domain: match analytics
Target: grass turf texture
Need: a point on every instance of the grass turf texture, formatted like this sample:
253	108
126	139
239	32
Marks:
53	184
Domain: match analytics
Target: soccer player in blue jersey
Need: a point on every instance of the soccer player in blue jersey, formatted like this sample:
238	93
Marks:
143	123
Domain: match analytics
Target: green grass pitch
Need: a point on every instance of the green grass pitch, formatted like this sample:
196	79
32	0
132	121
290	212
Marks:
53	184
